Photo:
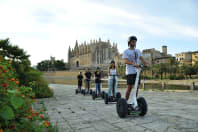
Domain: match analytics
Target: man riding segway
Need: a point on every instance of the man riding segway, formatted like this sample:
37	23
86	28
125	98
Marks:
132	58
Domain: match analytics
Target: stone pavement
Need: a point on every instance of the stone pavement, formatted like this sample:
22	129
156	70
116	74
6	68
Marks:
167	112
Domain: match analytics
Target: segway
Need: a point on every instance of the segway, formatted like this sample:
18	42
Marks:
139	105
113	98
94	95
87	92
78	91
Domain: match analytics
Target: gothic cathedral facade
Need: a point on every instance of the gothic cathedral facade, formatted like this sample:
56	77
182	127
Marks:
92	55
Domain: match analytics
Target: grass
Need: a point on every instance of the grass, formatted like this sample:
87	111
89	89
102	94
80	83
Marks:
69	77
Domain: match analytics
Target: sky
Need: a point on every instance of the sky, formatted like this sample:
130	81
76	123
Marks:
45	28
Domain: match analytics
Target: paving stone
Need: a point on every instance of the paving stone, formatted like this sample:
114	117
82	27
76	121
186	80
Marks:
167	112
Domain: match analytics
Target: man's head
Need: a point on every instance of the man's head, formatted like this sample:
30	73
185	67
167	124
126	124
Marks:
132	41
98	68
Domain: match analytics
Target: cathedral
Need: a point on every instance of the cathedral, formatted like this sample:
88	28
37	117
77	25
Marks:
94	54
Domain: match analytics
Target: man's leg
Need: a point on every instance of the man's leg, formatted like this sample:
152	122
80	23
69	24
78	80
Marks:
88	85
128	91
99	88
96	88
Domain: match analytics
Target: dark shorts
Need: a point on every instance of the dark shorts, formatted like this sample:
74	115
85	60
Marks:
87	82
131	79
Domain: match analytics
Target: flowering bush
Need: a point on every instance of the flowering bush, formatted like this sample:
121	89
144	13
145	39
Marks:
16	113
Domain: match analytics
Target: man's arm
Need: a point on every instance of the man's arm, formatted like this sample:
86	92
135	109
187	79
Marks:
143	60
126	61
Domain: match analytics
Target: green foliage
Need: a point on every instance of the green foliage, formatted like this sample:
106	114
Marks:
16	101
19	60
16	113
47	64
121	71
41	89
6	113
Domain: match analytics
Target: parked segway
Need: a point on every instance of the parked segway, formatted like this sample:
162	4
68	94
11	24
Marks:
94	95
139	105
78	91
87	92
113	98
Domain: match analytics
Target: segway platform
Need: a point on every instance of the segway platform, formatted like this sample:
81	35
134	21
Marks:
95	96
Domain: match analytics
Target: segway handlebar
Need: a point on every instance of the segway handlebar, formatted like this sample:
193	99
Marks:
141	66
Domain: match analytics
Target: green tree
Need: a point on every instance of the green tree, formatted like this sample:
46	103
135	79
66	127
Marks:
188	70
59	65
21	63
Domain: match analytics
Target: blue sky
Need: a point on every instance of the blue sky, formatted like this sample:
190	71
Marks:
47	27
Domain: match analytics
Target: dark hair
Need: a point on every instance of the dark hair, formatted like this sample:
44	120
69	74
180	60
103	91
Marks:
112	61
131	38
112	66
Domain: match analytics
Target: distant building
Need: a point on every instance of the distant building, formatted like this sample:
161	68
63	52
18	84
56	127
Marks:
184	58
194	57
153	56
164	59
118	60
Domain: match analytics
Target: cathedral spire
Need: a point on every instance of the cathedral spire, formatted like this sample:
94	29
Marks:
76	45
69	50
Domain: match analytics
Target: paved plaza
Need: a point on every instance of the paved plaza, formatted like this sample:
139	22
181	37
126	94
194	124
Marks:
167	112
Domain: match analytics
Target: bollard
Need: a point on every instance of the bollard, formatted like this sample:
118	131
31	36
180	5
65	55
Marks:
143	85
163	85
192	86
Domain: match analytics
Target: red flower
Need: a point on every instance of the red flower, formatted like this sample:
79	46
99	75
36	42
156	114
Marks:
34	100
29	117
5	85
42	117
13	126
47	123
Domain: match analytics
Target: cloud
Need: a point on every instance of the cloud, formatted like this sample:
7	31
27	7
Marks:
54	25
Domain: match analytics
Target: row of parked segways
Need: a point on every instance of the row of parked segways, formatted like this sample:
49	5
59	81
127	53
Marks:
84	91
137	107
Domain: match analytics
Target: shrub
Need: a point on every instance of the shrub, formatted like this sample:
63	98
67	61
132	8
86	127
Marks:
16	113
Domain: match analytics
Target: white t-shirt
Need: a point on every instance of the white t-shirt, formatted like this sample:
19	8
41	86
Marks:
112	72
133	55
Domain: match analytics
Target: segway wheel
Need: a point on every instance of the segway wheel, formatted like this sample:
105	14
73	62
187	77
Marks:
122	107
90	91
118	95
106	98
93	95
103	94
143	106
76	91
84	92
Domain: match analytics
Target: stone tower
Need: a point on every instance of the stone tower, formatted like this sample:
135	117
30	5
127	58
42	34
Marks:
164	50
